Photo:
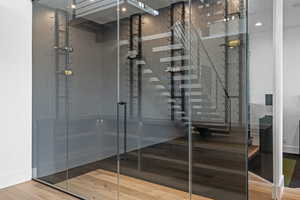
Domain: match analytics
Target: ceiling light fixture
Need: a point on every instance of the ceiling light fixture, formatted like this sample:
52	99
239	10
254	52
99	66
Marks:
258	24
73	6
124	9
146	8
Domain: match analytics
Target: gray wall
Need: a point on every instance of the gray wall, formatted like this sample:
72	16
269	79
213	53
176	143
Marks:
91	132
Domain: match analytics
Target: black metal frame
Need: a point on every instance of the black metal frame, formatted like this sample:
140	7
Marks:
226	17
172	54
139	66
183	63
124	104
138	57
131	66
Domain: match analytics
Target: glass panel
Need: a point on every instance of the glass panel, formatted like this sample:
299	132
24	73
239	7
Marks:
50	112
291	129
219	114
93	100
291	113
75	96
115	86
154	85
261	89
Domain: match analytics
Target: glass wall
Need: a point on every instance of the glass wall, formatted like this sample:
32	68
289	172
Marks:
261	90
219	49
156	98
141	99
75	82
291	112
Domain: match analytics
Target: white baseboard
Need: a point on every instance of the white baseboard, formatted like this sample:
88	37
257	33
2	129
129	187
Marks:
291	149
14	177
278	189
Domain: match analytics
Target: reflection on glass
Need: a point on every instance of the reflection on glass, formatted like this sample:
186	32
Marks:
260	157
218	49
157	132
140	99
50	119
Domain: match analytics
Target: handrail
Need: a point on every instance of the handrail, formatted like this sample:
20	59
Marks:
181	32
209	58
213	65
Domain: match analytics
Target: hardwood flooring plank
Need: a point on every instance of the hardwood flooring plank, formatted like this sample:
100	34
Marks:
101	184
33	191
262	190
104	183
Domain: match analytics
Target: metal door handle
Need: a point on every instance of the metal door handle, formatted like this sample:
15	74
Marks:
125	128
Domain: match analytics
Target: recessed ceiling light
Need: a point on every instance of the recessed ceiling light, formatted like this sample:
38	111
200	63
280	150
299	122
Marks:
258	24
73	6
92	0
124	9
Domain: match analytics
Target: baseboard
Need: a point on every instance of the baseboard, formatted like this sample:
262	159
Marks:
291	149
278	189
14	177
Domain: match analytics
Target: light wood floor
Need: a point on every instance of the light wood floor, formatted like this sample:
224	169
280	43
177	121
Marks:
252	150
32	191
99	185
261	189
102	184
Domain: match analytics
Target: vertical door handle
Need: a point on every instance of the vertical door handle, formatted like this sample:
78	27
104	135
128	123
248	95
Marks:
124	104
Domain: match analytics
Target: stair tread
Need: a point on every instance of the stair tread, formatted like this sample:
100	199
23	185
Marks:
219	168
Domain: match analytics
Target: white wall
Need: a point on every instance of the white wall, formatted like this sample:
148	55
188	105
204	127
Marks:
15	87
260	61
261	78
291	84
261	67
291	89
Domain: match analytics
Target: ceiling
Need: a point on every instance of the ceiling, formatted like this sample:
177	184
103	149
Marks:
104	11
262	11
259	11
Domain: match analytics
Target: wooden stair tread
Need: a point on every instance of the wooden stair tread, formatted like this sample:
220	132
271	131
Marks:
252	151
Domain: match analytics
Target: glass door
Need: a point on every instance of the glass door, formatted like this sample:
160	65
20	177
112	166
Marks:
154	84
220	119
93	100
183	99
